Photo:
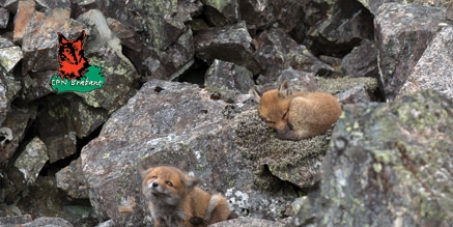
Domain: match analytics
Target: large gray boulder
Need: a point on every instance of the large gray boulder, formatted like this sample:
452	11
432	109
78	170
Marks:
433	70
403	33
387	165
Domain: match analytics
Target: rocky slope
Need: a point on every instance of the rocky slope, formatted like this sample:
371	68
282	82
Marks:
177	76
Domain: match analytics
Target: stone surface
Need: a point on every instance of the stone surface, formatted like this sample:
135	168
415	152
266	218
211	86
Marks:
433	69
221	13
279	164
4	17
15	219
32	159
48	222
373	5
229	43
10	56
228	75
17	122
361	61
25	13
276	51
71	180
449	12
172	63
75	120
167	41
402	34
49	4
4	102
341	26
108	223
182	126
44	199
250	222
387	164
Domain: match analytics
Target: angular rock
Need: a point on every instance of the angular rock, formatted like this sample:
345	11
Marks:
387	165
52	222
172	63
130	41
5	42
167	41
362	61
402	34
4	17
104	49
262	14
182	127
36	85
10	56
44	199
71	180
15	219
357	94
63	119
4	102
228	75
24	15
221	13
9	86
449	12
342	28
433	69
344	84
15	123
108	223
38	44
49	4
250	222
230	43
276	51
300	80
32	159
373	5
165	20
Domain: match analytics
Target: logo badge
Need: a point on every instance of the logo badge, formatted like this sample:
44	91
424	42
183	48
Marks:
75	71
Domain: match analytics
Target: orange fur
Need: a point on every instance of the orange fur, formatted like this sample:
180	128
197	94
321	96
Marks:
174	200
299	115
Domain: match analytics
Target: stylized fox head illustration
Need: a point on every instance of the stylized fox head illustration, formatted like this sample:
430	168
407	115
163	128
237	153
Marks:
73	63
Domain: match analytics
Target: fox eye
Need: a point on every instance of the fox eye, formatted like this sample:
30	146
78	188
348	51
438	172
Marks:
284	115
154	177
169	183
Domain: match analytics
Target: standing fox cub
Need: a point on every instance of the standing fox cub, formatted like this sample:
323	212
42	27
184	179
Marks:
299	115
174	200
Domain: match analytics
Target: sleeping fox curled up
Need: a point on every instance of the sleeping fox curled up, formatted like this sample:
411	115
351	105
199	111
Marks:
174	200
299	115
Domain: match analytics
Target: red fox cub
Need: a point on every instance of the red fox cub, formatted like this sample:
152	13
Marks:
174	200
299	115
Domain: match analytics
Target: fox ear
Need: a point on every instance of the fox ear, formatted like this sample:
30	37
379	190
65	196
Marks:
143	171
256	95
191	182
283	91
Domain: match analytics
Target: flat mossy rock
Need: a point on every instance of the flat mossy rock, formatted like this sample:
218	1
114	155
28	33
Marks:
388	165
296	162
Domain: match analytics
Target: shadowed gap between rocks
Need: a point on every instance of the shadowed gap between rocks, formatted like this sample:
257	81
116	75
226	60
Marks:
51	169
